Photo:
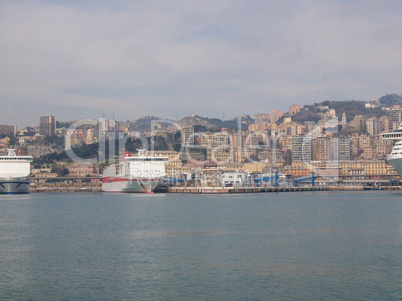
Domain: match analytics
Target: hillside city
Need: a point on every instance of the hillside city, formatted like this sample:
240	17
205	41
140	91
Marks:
337	140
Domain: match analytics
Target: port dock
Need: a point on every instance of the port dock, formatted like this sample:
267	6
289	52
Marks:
86	185
223	190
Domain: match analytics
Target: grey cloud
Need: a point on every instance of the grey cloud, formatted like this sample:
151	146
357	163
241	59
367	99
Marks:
167	58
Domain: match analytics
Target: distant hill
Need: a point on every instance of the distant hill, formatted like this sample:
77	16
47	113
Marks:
213	124
306	114
67	124
390	100
353	108
350	107
144	124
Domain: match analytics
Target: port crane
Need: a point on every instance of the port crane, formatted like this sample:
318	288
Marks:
304	179
264	179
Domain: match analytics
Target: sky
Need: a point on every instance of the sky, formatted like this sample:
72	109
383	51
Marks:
81	59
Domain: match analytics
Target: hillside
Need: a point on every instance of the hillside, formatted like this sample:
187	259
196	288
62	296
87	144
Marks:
144	124
350	107
390	100
213	124
353	108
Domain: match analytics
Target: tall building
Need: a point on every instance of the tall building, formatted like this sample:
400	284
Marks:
8	129
359	123
297	142
288	157
331	113
275	115
220	139
307	152
345	149
67	140
294	109
340	149
373	126
332	149
47	126
114	126
384	124
395	118
301	148
188	133
309	125
90	136
356	145
319	149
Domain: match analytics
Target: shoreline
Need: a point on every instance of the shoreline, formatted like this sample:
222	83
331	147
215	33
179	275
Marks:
221	190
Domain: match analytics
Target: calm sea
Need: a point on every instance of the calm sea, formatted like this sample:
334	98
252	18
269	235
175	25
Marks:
267	246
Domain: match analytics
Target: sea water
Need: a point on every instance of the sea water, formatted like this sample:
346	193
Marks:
260	246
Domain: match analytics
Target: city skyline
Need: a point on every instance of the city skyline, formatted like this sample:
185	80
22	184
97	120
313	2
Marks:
79	59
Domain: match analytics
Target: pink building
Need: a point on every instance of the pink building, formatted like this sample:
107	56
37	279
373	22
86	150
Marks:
83	170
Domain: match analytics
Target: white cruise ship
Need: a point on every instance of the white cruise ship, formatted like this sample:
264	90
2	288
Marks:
141	173
395	158
14	173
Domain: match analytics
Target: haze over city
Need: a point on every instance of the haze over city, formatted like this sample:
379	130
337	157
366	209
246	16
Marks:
200	150
79	59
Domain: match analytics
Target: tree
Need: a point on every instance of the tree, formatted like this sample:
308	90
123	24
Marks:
12	141
177	147
61	171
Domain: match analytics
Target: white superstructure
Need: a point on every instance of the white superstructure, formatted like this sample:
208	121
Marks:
141	173
14	173
395	158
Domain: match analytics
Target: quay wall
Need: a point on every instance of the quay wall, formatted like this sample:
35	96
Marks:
97	187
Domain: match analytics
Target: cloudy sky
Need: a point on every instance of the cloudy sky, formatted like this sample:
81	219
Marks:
79	58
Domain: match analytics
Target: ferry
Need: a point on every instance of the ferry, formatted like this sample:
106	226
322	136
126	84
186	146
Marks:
14	173
395	158
141	173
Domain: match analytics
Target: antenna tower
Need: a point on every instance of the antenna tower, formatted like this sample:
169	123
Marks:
325	82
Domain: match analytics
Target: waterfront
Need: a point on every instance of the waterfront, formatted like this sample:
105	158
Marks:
276	246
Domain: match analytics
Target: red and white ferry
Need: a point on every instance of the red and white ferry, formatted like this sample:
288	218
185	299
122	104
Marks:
141	173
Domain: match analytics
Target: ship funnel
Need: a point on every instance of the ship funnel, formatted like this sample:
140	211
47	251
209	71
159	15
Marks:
126	154
12	152
142	152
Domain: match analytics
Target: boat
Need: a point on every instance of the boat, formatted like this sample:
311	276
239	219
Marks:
14	173
395	158
141	173
372	187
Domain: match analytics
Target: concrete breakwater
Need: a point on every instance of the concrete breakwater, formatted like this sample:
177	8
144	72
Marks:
222	190
210	190
97	187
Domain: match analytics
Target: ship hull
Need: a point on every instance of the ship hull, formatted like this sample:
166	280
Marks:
396	163
14	186
124	185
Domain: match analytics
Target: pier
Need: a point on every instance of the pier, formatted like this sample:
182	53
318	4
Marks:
68	184
223	190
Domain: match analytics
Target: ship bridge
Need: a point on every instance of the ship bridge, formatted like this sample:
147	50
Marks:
395	135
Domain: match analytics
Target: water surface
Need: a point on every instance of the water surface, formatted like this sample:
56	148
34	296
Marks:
264	246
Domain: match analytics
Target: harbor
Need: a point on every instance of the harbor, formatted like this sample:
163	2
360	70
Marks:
64	184
214	190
